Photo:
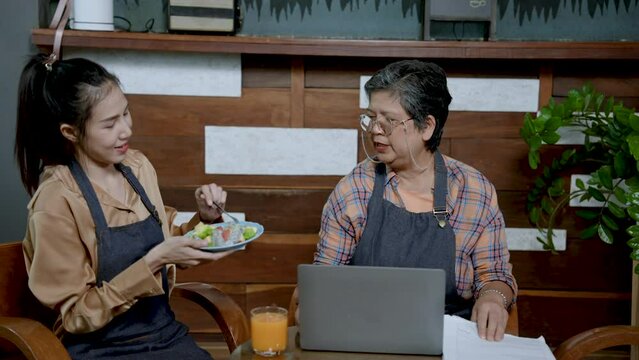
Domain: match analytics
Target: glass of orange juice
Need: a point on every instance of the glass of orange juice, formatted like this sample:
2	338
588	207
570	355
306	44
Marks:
269	330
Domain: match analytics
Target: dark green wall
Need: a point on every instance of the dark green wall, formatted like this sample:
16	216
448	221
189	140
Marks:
19	17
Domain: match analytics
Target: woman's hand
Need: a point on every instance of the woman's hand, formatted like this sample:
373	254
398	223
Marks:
205	196
491	316
182	251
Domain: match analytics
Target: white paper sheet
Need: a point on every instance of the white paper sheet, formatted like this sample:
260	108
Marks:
461	342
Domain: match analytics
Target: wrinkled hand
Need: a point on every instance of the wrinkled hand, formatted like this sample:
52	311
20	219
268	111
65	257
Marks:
182	251
205	196
491	317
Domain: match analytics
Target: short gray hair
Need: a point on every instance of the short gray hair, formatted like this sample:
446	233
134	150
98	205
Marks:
422	90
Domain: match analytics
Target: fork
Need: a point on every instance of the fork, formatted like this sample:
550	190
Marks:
235	220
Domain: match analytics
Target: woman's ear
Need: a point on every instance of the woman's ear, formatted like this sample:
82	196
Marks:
429	127
69	132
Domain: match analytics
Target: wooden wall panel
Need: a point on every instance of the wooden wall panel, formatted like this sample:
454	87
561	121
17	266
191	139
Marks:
558	318
273	258
278	210
263	71
585	266
186	115
503	161
332	108
471	124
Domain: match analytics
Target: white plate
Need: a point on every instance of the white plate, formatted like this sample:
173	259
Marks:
260	231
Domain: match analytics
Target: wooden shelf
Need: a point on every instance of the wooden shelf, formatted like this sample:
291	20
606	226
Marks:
354	48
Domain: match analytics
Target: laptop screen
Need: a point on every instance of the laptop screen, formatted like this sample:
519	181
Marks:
371	309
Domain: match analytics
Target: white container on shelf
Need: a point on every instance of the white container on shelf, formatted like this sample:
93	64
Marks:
92	15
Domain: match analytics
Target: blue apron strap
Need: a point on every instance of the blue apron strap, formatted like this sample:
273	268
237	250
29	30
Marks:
91	198
441	190
135	184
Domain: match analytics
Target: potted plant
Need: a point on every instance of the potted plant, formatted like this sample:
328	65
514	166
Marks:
610	154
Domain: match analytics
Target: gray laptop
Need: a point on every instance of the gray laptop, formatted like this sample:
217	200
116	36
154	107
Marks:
371	309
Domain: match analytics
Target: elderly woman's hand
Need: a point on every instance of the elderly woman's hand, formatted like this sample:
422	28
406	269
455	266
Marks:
491	316
205	197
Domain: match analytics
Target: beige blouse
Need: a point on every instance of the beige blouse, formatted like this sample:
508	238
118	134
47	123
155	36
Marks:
60	248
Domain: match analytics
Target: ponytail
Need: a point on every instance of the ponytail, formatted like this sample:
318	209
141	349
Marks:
51	94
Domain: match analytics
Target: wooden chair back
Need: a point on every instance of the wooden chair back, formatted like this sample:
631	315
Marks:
589	341
20	310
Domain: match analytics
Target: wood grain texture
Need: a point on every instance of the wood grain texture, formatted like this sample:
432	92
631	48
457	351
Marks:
297	92
513	50
155	115
558	318
545	84
264	71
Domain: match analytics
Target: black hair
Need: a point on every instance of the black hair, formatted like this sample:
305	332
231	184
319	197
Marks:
63	93
422	90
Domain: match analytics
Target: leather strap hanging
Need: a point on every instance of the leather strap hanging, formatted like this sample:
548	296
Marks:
59	22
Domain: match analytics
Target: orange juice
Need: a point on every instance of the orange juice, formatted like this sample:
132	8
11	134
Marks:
269	330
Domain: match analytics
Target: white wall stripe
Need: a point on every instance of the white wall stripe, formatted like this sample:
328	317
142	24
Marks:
592	202
279	151
484	94
169	73
525	239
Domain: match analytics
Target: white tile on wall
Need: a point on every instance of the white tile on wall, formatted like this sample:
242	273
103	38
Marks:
169	73
484	94
525	239
279	151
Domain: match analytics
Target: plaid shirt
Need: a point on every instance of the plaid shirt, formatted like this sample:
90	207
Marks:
481	249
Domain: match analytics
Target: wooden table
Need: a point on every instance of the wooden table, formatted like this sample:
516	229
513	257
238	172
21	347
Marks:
293	351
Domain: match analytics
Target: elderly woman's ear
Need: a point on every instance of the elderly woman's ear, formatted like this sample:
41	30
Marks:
429	127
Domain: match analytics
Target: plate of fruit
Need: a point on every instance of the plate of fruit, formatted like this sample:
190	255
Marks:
228	235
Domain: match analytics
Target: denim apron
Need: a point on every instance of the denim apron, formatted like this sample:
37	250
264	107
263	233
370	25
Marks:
148	330
396	237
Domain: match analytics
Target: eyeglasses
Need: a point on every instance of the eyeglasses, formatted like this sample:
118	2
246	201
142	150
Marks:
368	122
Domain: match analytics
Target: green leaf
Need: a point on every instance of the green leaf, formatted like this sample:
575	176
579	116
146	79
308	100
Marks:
595	193
545	205
633	143
633	243
553	123
605	177
589	232
633	230
610	222
551	138
633	211
587	214
633	184
605	234
633	121
620	164
534	215
633	197
616	210
533	159
580	184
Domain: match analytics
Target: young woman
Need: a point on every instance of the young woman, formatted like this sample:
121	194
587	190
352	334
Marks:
99	245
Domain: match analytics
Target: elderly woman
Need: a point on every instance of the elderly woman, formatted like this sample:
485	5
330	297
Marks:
409	206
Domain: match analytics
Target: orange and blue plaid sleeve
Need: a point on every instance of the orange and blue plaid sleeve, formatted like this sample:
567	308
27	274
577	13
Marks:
344	216
482	250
